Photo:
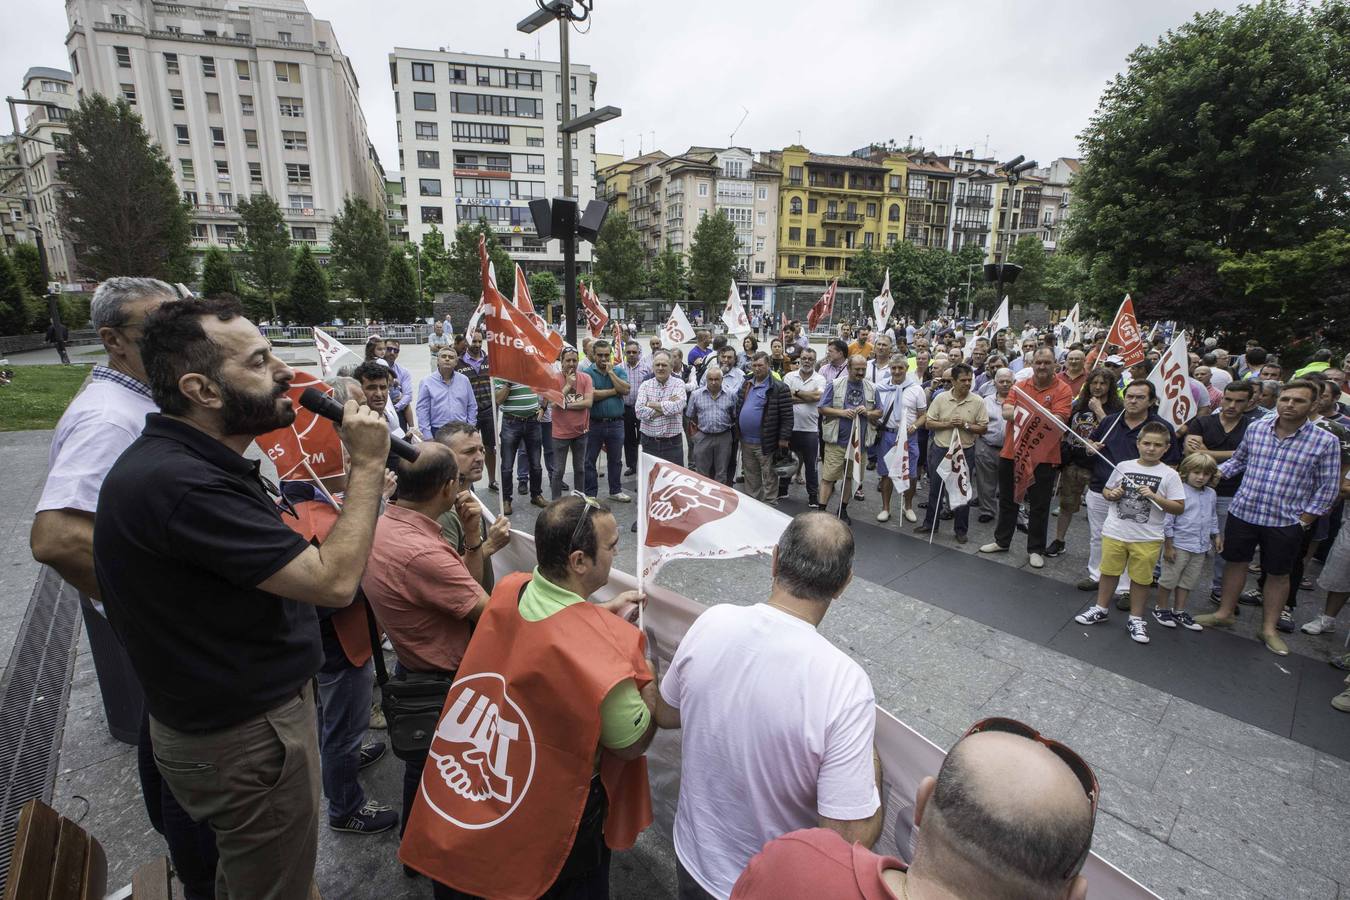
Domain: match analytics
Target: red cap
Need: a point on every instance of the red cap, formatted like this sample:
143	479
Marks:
813	863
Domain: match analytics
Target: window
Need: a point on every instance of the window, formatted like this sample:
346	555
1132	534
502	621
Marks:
251	138
894	184
892	238
288	72
246	104
759	268
810	237
75	63
241	69
182	132
794	234
795	205
761	218
174	29
893	214
294	140
284	37
424	102
222	170
458	74
573	115
191	198
793	260
227	234
703	188
199	232
428	159
304	233
255	173
426	131
867	239
474	133
429	187
208	67
794	174
118	19
189	173
227	199
759	245
494	105
292	107
171	64
297	173
300	201
217	136
123	57
423	72
871	210
213	103
433	215
830	263
176	99
812	205
763	193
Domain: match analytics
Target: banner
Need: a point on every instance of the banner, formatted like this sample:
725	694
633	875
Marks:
897	458
883	304
733	314
1124	333
310	447
682	515
477	316
1034	440
782	323
823	308
596	317
1176	398
998	323
854	462
955	474
331	352
1069	330
677	329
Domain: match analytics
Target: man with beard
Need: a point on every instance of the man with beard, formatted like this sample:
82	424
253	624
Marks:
213	595
466	442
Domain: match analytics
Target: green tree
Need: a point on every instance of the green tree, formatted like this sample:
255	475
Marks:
360	245
918	278
17	309
267	257
670	281
28	268
435	270
1066	280
1029	253
217	273
618	259
1227	136
867	271
121	205
544	290
463	267
307	301
398	293
712	258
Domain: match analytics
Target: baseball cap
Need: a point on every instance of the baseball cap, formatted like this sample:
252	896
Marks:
1115	360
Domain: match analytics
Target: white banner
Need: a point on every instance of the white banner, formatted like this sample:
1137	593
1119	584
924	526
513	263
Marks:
883	304
331	352
897	458
677	329
1171	377
955	474
998	322
1070	329
734	313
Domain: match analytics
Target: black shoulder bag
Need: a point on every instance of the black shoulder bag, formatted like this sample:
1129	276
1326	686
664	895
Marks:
412	702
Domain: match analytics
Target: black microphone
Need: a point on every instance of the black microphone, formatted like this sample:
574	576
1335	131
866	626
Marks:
319	403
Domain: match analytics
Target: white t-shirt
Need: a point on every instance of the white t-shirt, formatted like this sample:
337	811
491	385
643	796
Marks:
913	403
805	416
778	728
1132	518
98	425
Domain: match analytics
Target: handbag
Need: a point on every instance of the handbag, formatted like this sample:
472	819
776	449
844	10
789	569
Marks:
412	701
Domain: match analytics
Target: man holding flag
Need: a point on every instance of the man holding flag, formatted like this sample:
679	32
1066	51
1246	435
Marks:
850	401
1030	455
954	416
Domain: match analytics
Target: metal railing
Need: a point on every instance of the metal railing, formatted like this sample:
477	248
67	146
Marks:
842	216
352	335
975	201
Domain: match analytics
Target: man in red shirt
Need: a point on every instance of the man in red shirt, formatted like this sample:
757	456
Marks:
1075	370
1030	456
1006	816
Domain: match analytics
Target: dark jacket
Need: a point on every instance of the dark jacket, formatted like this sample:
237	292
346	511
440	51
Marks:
777	422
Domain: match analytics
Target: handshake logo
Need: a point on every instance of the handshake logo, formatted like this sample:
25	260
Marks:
679	502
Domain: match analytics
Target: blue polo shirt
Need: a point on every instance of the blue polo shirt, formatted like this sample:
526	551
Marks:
752	410
1121	446
610	407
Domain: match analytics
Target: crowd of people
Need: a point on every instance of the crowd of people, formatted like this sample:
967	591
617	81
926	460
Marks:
254	614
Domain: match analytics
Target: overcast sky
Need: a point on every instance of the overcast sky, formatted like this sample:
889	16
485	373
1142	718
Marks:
840	74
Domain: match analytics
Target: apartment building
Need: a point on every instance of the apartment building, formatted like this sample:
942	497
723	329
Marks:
973	199
1017	212
614	182
1056	196
930	188
396	207
243	97
479	138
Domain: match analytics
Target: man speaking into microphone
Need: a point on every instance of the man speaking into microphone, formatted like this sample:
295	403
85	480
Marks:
213	595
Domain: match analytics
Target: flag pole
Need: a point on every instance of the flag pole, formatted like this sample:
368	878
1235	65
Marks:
942	487
642	507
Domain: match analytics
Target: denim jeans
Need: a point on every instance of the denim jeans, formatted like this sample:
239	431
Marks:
344	716
192	845
561	447
518	432
607	435
806	447
545	441
671	449
630	436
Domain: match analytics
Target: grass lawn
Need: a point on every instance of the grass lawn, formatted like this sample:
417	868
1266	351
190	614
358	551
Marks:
38	395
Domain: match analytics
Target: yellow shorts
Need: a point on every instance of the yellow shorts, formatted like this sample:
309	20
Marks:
1138	558
833	469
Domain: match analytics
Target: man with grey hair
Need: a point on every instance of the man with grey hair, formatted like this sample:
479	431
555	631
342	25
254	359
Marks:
711	419
990	444
746	779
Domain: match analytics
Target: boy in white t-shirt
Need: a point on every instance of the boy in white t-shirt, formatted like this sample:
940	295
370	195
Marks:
1141	492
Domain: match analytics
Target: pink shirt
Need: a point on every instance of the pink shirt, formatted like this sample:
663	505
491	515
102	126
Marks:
570	423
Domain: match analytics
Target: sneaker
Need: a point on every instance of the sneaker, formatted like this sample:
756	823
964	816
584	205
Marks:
369	819
1165	617
1216	597
387	645
522	488
843	517
377	717
493	486
1286	622
814	504
1036	560
629	471
539	501
1185	621
782	495
1055	549
1340	662
884	515
985	518
621	497
1214	620
961	537
1342	700
1087	584
993	547
506	507
1275	644
923	528
1251	598
1092	615
871	465
859	495
1254	568
1305	583
1323	624
910	516
1137	629
371	753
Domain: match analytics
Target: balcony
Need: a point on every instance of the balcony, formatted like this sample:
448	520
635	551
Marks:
301	212
919	193
842	217
972	226
975	201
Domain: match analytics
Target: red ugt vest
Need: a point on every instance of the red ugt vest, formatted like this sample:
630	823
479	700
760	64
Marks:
511	762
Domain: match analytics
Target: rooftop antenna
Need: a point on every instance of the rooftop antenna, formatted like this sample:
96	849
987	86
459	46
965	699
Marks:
799	137
731	141
621	150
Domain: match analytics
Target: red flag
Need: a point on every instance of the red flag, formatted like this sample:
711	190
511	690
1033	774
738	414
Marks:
1125	334
782	322
823	308
308	440
1035	440
596	317
525	303
519	352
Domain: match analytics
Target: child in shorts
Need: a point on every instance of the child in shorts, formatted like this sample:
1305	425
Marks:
1141	492
1187	537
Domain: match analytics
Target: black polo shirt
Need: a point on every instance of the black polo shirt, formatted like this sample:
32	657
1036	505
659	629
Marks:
1210	430
184	534
1121	445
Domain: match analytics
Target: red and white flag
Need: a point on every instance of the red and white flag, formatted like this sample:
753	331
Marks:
955	475
477	315
1176	397
1035	439
855	461
897	458
677	329
823	308
998	323
733	314
310	447
683	515
883	304
331	351
1125	334
519	352
596	317
782	322
525	303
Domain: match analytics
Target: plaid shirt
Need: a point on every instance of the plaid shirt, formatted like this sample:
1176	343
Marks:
671	396
713	415
104	373
1284	477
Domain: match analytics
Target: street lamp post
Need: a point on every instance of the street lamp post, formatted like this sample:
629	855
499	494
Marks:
53	309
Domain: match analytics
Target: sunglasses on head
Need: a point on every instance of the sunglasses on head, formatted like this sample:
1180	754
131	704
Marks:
591	504
1077	765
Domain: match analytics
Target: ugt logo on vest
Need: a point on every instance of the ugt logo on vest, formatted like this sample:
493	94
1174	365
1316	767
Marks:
484	754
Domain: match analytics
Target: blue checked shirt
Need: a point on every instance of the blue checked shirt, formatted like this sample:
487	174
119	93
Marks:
1283	478
104	373
713	415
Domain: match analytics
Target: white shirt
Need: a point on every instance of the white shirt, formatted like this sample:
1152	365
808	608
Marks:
913	403
805	416
993	406
391	419
778	728
1133	519
878	373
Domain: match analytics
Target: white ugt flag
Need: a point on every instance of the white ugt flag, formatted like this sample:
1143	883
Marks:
1069	330
956	475
682	515
883	304
677	329
1171	378
331	352
999	321
897	458
734	313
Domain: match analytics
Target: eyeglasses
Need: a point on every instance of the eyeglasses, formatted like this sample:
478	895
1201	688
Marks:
393	350
591	503
1081	770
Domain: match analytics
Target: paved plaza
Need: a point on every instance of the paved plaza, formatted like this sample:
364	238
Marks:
1224	769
